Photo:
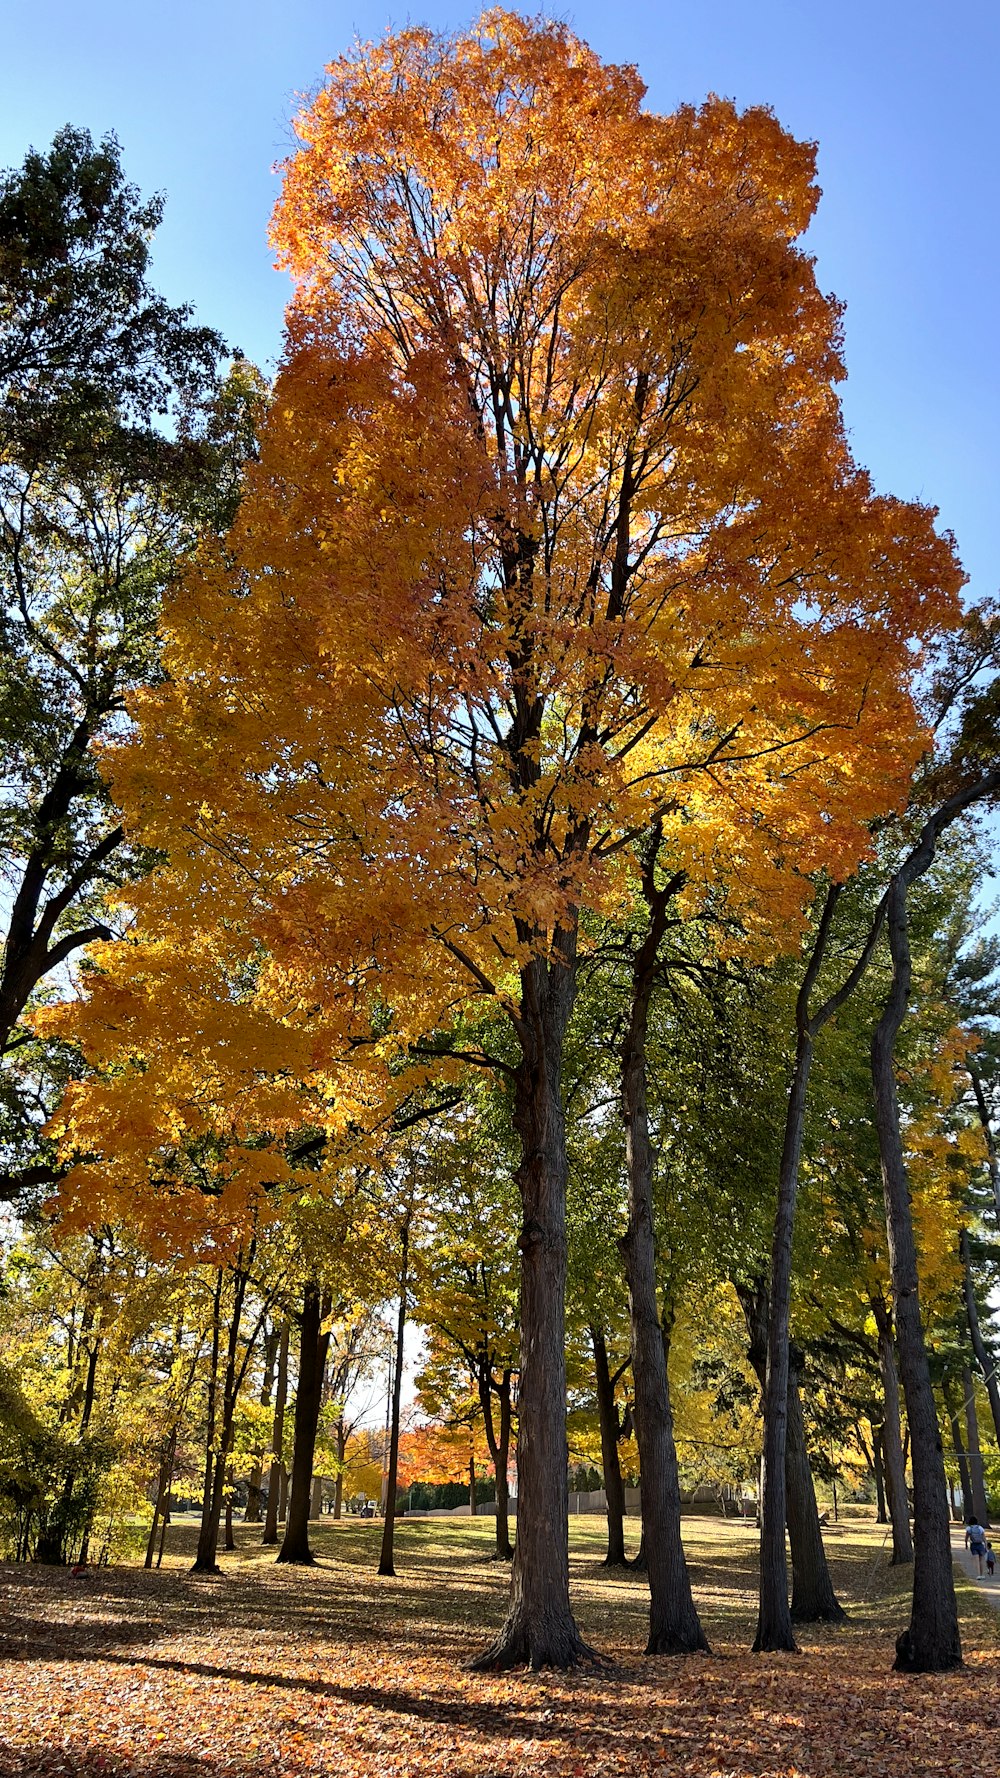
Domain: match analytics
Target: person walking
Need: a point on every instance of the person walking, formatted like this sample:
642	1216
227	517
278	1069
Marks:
975	1542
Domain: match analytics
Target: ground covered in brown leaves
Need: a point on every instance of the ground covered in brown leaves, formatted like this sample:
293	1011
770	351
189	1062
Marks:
332	1672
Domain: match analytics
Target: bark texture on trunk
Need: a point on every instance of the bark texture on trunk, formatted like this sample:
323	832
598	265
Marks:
813	1598
539	1630
674	1625
610	1424
892	1439
277	1441
931	1641
308	1398
385	1561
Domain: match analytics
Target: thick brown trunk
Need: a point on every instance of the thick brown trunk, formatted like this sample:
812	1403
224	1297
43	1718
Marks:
277	1441
892	1439
610	1424
813	1598
931	1641
387	1551
539	1630
308	1398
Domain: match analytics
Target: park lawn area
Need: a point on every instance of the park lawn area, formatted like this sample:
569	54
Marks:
307	1672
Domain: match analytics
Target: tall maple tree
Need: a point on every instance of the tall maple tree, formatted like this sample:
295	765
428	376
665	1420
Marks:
555	537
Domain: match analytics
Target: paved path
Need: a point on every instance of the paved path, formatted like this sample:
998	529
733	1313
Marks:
967	1561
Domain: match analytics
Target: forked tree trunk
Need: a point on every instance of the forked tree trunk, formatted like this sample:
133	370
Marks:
674	1625
813	1598
308	1398
892	1440
931	1642
163	1482
386	1553
539	1630
610	1424
277	1441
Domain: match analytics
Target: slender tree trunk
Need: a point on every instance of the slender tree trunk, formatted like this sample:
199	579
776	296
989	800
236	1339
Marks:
385	1561
958	1443
539	1630
308	1398
992	1155
338	1486
163	1481
986	1362
230	1539
211	1499
892	1441
881	1515
813	1598
254	1511
473	1509
977	1475
277	1441
499	1448
931	1642
614	1487
674	1625
223	1425
812	1587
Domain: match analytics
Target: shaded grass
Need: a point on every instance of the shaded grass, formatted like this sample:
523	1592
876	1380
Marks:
332	1670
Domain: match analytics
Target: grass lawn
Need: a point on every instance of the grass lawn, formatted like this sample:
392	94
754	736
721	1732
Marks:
332	1671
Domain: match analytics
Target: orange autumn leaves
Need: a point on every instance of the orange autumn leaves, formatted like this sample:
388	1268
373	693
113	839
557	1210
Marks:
554	532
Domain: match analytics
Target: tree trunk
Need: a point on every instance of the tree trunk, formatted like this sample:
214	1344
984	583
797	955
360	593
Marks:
499	1447
674	1626
254	1511
338	1486
958	1443
813	1598
277	1441
977	1476
385	1561
610	1424
316	1502
881	1515
993	1158
987	1364
931	1642
211	1498
163	1481
473	1509
892	1441
539	1630
308	1399
812	1587
230	1539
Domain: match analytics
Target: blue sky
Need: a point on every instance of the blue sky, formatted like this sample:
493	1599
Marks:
902	99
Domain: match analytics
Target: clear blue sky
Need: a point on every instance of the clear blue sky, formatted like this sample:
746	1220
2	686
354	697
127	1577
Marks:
903	99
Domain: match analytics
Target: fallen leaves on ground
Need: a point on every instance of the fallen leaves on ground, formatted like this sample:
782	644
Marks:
332	1673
